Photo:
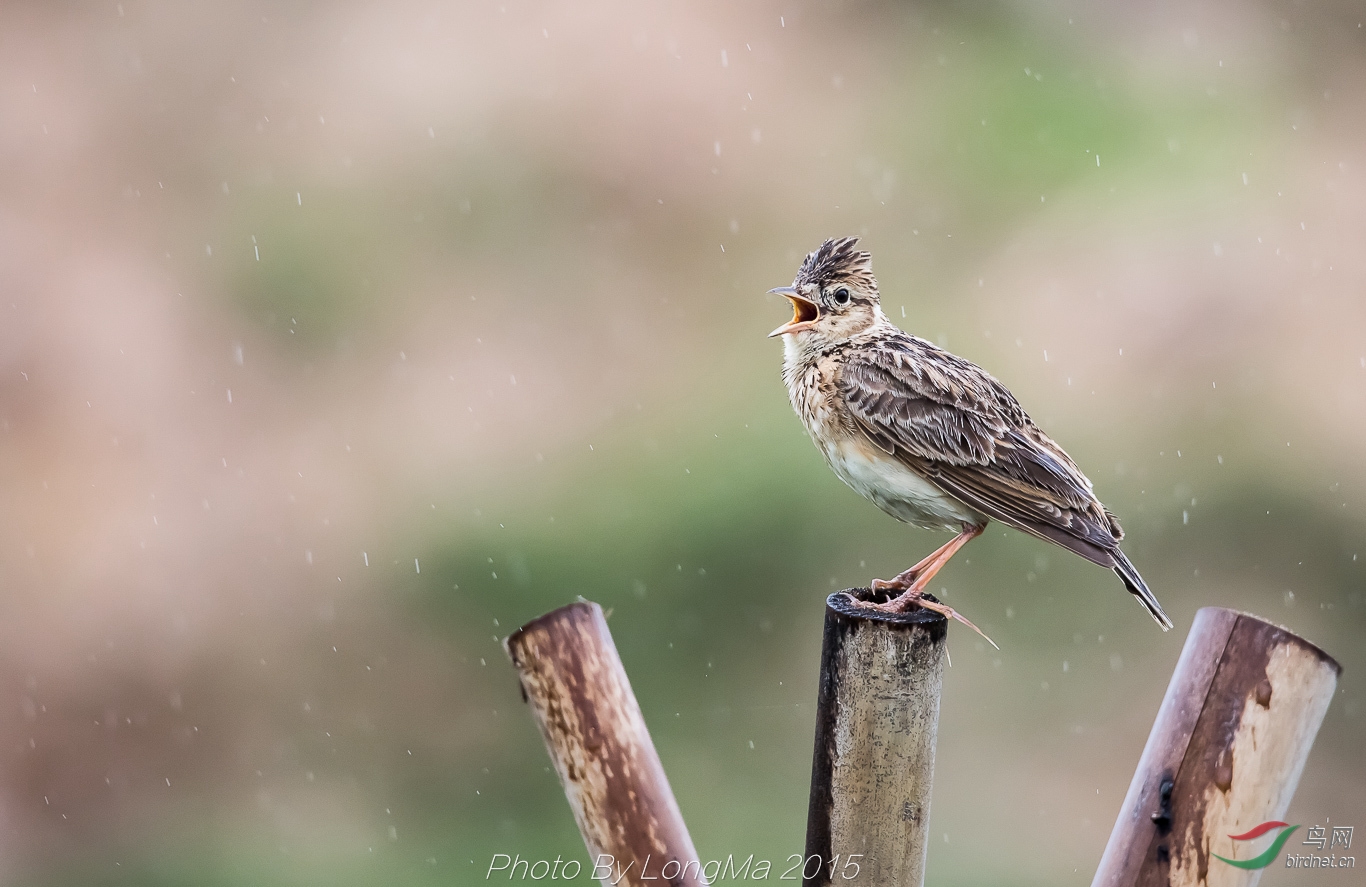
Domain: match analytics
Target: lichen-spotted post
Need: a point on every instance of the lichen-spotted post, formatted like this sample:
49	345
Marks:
1224	755
592	726
877	718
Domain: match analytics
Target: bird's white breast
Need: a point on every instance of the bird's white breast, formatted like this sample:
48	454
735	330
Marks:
869	471
896	489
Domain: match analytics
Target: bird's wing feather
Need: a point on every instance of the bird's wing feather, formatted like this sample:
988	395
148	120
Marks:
949	421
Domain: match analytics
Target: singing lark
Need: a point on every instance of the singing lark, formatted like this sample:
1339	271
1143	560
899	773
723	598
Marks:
932	439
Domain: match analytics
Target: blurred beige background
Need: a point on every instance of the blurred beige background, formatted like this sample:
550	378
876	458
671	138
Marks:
339	339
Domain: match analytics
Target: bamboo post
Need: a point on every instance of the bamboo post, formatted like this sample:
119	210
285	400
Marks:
588	717
877	715
1224	755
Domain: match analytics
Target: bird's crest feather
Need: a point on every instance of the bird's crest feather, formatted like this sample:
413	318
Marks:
837	259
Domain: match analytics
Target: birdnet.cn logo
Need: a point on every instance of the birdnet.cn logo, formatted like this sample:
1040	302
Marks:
1315	836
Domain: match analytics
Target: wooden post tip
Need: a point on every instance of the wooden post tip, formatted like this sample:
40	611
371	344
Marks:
579	611
1308	646
845	605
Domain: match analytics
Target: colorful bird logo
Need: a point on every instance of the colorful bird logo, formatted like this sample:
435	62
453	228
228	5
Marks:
1267	856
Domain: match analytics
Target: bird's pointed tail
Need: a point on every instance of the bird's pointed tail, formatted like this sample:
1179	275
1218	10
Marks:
1134	582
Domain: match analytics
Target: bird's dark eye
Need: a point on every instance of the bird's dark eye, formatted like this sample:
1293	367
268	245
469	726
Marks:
842	295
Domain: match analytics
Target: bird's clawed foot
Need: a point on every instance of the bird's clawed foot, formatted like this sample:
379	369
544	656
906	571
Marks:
915	597
903	581
911	584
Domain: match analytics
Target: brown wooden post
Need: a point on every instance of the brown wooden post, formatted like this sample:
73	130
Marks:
1224	755
582	702
877	716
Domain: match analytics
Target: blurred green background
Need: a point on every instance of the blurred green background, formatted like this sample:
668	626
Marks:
340	339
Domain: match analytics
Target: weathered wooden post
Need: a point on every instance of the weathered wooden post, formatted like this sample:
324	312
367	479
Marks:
1224	755
582	702
877	716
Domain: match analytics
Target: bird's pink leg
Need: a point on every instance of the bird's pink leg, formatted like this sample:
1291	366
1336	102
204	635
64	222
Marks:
914	580
917	577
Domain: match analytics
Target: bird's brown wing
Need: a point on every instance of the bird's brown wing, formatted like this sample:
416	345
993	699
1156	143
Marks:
952	423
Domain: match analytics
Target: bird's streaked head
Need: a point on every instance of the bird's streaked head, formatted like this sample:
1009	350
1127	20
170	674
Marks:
835	293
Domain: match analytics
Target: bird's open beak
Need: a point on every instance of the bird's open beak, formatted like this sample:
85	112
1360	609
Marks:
805	312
